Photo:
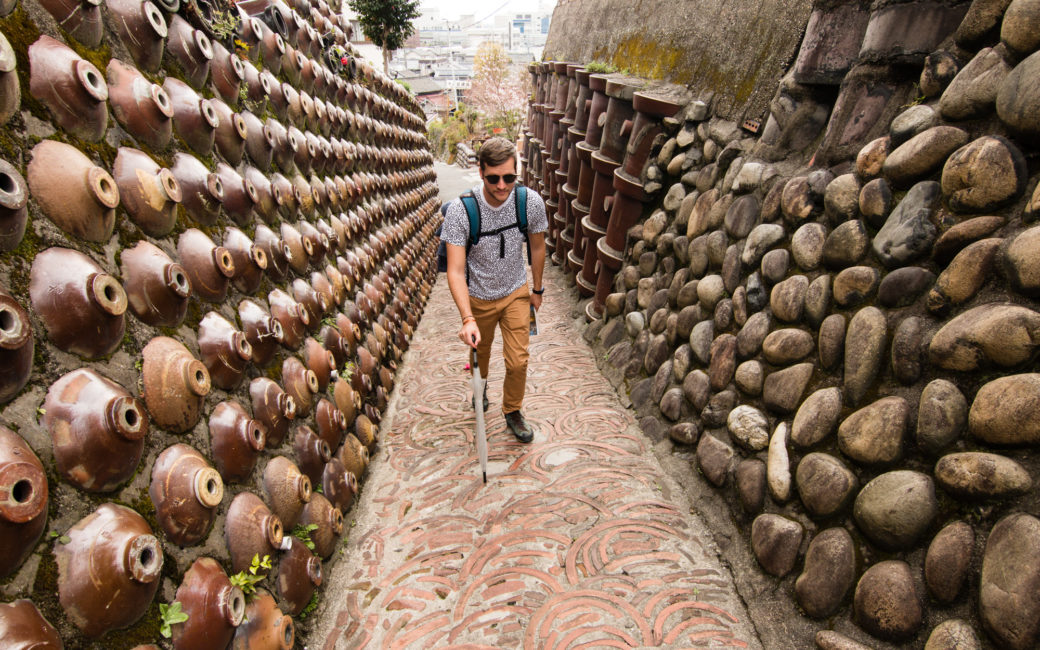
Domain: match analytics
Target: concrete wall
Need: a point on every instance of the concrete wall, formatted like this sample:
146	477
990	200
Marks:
736	50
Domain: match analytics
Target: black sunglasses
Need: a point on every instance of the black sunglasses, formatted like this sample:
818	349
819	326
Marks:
494	178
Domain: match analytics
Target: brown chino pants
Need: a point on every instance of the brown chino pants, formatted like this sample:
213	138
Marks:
513	314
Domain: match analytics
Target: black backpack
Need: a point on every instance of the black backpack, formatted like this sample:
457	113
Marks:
469	201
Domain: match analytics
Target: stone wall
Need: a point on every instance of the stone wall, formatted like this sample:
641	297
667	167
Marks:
835	318
737	51
216	237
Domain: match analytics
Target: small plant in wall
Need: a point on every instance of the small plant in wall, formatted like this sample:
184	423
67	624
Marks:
170	615
248	579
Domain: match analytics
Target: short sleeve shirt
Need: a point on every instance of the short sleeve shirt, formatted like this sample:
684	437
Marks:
493	272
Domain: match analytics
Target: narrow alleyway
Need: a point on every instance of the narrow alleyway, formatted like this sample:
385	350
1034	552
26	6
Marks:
577	540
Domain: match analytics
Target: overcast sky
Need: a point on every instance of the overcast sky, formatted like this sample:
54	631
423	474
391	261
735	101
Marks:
485	8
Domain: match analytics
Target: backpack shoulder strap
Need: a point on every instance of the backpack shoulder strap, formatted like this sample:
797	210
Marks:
521	208
469	201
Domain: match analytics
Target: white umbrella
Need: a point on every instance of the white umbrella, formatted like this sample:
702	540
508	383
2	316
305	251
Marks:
478	408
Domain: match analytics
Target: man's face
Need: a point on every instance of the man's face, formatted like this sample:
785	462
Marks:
498	192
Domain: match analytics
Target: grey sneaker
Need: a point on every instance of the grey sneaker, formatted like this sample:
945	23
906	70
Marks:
516	423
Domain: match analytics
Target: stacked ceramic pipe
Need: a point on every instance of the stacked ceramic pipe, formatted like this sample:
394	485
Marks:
591	137
202	304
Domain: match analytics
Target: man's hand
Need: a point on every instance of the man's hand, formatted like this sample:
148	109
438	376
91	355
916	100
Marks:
470	333
536	301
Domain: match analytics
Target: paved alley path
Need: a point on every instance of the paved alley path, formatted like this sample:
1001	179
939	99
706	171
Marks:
574	542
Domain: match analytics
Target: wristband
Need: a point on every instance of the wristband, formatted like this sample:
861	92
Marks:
538	291
468	318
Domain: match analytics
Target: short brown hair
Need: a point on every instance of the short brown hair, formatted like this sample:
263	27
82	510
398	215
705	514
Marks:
495	151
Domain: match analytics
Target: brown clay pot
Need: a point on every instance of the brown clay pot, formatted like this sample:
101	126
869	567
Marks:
299	574
74	193
320	361
224	350
23	627
311	453
141	27
149	193
186	492
365	429
301	249
193	116
80	18
157	288
338	485
10	91
228	74
329	521
72	295
230	135
250	260
350	331
300	383
251	529
191	49
266	207
213	605
287	489
257	86
303	152
175	383
16	348
319	242
265	626
108	571
201	190
23	508
236	441
314	303
292	316
209	267
334	343
260	141
283	148
97	429
348	400
284	195
330	423
143	108
263	332
70	87
354	456
273	408
277	251
304	196
239	195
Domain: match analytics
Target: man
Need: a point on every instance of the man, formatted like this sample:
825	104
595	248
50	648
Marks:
489	282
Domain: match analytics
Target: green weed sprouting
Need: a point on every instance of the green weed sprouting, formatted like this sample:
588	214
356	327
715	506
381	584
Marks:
170	615
248	579
303	533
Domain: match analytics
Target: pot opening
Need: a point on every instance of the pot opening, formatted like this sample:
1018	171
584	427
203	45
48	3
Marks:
7	184
7	320
22	491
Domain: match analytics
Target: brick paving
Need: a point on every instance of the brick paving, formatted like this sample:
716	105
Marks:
575	542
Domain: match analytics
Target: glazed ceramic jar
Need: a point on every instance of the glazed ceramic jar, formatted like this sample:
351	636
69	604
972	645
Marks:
311	453
224	350
273	408
300	383
97	429
16	347
14	195
191	49
236	441
201	190
251	529
80	18
215	607
73	192
23	627
23	509
209	267
157	288
320	512
175	384
141	107
71	87
263	332
287	489
299	574
265	626
149	193
108	570
141	27
71	294
338	485
186	492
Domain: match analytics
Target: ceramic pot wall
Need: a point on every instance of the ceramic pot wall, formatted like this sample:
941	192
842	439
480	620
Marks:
97	429
273	408
224	350
141	107
23	627
71	294
70	87
265	626
209	267
287	489
14	195
263	332
299	574
149	193
251	529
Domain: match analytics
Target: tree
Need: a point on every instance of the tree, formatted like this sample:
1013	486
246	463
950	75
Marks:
497	88
387	23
